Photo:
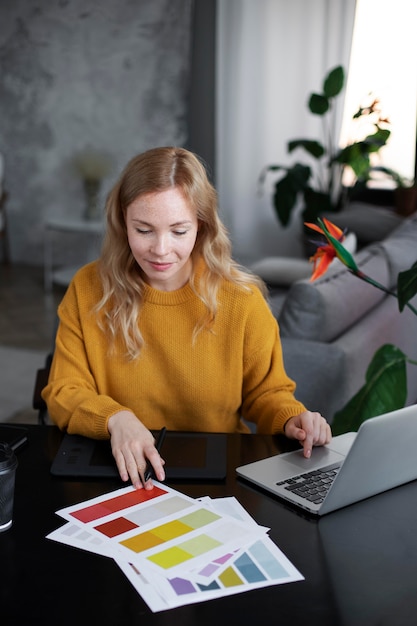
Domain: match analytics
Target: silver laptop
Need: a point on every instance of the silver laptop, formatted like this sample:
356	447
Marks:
354	466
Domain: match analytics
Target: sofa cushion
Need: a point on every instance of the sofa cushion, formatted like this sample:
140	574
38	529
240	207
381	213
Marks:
277	270
371	223
283	271
323	309
401	248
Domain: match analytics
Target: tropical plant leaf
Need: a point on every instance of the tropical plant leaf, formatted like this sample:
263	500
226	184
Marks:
334	81
385	390
273	168
311	146
315	203
318	104
406	285
264	172
399	180
355	157
284	199
287	189
374	142
300	175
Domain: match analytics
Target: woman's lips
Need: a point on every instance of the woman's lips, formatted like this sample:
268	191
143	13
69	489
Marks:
160	267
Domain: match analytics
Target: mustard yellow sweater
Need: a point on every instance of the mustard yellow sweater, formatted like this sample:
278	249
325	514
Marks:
234	370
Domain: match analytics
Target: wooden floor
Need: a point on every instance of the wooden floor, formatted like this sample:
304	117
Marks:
27	313
28	322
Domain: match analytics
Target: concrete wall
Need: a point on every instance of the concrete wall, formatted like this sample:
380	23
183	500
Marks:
107	75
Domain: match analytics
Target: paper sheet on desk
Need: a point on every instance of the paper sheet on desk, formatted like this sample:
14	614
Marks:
176	550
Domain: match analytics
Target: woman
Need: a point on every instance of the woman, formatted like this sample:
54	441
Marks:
166	330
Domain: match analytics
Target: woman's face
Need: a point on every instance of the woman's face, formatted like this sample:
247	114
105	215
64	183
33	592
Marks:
162	230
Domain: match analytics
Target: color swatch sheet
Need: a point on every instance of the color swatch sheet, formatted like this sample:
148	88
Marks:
177	550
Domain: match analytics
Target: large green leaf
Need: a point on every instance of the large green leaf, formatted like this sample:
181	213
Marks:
355	157
407	285
311	146
318	104
315	203
385	390
374	142
286	190
284	199
334	81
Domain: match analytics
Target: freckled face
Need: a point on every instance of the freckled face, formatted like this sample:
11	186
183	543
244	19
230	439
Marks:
162	230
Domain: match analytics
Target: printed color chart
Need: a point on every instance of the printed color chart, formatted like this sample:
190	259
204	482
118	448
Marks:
176	550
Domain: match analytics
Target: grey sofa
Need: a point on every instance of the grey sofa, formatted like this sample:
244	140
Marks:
330	329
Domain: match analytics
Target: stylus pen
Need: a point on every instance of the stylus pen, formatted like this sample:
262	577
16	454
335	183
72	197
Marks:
149	469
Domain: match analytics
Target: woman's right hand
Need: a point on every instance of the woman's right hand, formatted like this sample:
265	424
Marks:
133	447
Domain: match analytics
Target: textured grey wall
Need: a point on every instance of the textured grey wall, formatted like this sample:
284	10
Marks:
111	75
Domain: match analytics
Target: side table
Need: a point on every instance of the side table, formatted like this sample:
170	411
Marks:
62	275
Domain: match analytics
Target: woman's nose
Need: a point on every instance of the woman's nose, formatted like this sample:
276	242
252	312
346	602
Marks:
160	245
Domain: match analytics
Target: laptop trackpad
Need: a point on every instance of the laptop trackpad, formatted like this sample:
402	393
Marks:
297	463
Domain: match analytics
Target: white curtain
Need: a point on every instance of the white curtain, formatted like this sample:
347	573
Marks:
271	54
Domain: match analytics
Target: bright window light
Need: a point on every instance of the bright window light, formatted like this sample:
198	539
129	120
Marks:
384	63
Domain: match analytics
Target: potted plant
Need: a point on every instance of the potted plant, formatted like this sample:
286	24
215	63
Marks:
405	191
322	188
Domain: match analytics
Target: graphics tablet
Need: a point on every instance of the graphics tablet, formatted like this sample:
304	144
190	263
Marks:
188	456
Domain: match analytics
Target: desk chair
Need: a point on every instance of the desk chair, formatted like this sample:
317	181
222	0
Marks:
3	218
4	235
41	380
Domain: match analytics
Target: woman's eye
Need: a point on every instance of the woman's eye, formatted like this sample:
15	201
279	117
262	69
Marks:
148	231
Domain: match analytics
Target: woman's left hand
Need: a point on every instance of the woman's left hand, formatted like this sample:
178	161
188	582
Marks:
310	429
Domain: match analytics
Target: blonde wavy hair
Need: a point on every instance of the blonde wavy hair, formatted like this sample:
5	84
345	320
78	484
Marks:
154	171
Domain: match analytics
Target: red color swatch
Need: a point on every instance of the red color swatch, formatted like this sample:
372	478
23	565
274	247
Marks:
118	503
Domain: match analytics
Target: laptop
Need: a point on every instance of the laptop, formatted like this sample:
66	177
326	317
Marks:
354	466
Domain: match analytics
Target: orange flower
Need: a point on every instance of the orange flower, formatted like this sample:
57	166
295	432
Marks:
325	252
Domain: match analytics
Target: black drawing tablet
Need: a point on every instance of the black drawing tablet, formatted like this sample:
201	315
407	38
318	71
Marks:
188	456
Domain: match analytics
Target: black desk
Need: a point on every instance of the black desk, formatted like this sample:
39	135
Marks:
360	564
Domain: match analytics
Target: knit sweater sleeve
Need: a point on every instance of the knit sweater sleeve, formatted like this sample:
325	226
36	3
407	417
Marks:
268	392
72	397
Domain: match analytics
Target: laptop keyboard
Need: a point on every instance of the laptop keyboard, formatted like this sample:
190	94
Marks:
312	486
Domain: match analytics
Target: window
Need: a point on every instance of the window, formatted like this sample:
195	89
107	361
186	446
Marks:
384	62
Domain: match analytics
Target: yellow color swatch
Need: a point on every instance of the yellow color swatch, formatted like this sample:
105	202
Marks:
184	551
170	558
171	530
229	578
142	542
